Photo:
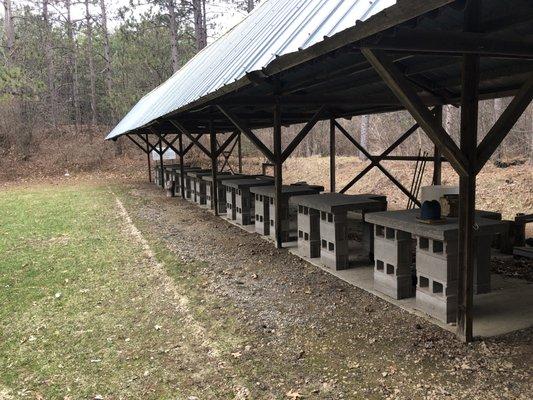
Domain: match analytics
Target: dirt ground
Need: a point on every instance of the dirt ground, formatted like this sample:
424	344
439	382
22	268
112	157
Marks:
297	332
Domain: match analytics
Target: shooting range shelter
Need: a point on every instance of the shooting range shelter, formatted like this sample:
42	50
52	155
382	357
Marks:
309	60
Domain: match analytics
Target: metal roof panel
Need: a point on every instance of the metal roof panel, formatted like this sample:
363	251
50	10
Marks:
273	29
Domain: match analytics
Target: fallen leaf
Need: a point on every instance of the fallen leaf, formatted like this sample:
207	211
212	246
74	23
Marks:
293	395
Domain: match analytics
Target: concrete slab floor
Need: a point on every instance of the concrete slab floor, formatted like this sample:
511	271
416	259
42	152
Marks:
507	308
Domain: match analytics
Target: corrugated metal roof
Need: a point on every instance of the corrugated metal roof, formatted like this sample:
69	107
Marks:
274	29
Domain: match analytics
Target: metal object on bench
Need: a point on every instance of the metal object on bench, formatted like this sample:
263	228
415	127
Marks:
240	202
436	258
331	226
265	209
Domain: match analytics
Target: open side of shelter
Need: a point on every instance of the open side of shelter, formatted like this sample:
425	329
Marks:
414	56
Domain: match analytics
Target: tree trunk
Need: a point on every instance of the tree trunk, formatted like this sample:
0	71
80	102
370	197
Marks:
173	35
109	74
92	75
200	25
73	61
204	24
365	124
250	4
497	111
50	68
9	32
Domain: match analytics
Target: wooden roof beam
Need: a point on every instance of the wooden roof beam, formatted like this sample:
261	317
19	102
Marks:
428	41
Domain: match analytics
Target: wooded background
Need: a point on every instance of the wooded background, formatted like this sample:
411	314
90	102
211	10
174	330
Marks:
69	70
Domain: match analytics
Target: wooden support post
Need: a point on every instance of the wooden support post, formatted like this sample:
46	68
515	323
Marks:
214	166
332	154
437	161
278	173
182	167
161	164
239	152
149	159
467	182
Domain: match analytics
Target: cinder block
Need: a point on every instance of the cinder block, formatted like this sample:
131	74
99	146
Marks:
439	260
393	254
308	220
442	306
262	214
230	203
245	207
395	286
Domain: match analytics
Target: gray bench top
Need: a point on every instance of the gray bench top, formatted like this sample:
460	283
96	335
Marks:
225	176
406	220
288	190
338	202
187	169
172	167
248	183
197	172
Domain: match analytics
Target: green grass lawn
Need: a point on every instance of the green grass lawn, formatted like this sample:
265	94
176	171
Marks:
71	324
60	250
85	314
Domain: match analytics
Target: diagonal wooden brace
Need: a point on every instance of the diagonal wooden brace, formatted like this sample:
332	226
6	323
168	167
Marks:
227	142
404	91
182	129
170	145
243	127
504	124
375	161
152	147
303	133
137	144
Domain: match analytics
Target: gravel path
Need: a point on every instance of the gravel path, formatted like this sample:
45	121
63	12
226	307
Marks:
302	333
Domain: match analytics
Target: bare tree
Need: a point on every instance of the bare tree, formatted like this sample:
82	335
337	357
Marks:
9	31
498	109
173	26
200	23
90	57
50	67
250	4
73	61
